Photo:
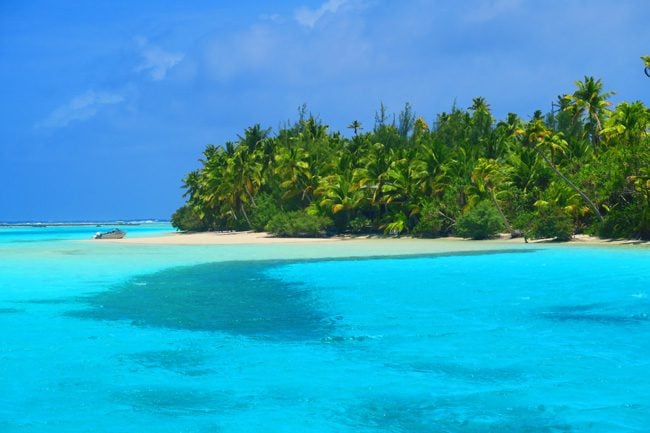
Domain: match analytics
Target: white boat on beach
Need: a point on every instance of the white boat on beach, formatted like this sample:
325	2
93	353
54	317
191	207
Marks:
113	234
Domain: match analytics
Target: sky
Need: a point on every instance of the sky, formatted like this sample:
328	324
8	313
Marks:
106	105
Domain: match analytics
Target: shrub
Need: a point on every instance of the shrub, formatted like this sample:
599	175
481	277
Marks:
524	222
432	223
298	224
396	223
551	222
481	222
267	207
361	224
186	219
632	221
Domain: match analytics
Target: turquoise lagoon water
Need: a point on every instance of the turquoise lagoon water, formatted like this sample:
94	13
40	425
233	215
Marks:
105	337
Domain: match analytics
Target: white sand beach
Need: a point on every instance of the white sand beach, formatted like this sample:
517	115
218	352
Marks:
214	238
241	238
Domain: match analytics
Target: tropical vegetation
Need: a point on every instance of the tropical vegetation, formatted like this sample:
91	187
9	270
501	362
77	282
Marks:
583	167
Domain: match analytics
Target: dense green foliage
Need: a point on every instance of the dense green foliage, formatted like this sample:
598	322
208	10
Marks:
481	222
582	168
188	219
298	223
551	222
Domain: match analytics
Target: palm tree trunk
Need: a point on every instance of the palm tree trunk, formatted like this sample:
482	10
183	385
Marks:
250	197
599	127
243	211
571	184
503	217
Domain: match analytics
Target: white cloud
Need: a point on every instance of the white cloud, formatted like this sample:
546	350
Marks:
309	17
81	107
490	9
155	60
277	54
254	49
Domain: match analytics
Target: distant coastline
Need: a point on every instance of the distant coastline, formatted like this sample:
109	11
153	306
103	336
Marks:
81	223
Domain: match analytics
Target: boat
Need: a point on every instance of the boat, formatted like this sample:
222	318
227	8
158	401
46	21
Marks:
113	234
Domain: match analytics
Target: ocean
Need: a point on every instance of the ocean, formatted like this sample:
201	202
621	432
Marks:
351	336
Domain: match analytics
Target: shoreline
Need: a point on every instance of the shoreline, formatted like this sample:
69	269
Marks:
259	238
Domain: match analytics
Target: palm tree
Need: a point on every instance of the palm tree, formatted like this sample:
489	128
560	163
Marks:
400	195
590	101
211	201
561	195
372	174
627	132
191	184
293	168
420	127
356	126
428	168
460	169
253	135
480	104
399	188
485	175
481	138
629	123
504	132
537	137
340	196
527	171
243	178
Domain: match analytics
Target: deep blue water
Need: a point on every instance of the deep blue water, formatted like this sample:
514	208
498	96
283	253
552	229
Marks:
112	338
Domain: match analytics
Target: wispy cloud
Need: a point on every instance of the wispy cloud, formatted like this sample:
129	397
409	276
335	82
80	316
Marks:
155	60
81	107
275	53
309	17
253	49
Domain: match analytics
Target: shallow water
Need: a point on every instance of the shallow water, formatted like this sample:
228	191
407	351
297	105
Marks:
114	338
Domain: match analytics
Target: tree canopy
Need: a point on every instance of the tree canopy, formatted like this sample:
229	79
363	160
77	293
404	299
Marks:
583	168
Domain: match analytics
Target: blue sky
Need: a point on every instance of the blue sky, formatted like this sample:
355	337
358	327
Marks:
107	104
